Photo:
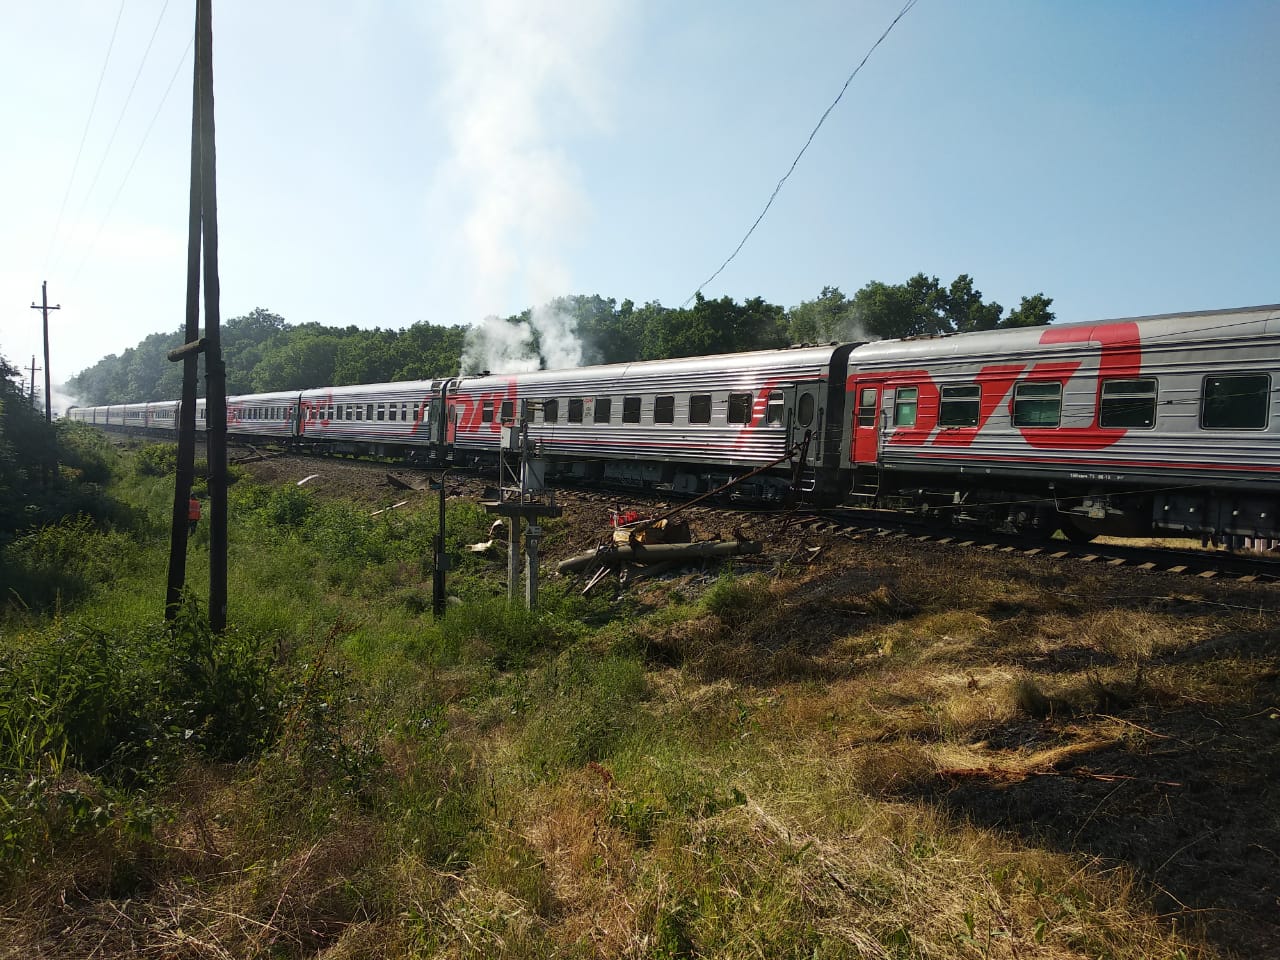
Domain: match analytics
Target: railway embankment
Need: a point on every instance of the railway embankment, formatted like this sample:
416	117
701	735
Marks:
845	745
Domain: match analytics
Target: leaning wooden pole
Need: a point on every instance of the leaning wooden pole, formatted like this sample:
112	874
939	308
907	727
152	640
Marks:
215	372
187	408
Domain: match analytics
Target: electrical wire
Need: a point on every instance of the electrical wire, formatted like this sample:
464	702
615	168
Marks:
123	110
57	225
132	163
794	163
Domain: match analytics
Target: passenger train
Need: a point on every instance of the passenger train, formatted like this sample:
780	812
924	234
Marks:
1132	427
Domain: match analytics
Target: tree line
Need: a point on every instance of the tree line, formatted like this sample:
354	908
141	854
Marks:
263	352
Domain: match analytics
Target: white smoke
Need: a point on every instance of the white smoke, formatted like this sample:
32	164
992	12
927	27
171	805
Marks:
63	400
523	76
500	346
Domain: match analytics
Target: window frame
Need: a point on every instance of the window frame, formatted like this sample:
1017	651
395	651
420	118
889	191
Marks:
664	408
1265	395
739	408
775	408
806	408
631	408
575	409
701	404
901	404
867	412
1029	395
1130	397
972	397
602	410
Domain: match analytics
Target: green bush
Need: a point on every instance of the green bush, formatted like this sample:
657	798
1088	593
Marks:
156	460
86	715
62	562
86	451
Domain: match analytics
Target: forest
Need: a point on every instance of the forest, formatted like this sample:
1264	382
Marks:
265	352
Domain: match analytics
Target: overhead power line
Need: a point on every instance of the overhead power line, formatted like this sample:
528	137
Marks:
132	163
821	120
123	110
57	225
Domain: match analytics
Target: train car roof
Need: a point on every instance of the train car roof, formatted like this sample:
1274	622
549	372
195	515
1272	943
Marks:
277	396
1208	324
360	389
799	356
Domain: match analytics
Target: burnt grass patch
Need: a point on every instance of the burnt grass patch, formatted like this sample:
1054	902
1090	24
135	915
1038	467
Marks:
1171	692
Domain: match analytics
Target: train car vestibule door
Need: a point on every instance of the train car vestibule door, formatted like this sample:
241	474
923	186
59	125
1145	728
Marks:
806	417
866	422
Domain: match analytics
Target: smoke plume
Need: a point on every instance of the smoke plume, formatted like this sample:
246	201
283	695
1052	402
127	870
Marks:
524	77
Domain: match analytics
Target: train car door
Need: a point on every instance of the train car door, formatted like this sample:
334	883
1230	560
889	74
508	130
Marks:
866	422
805	417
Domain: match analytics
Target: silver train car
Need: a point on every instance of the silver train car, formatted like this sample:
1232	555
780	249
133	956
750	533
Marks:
1129	427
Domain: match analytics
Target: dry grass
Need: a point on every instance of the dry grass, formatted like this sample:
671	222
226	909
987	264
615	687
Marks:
905	753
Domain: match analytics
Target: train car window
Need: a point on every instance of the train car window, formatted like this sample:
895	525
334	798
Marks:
404	411
868	400
359	411
906	401
368	411
700	408
393	411
1037	404
664	409
739	408
1235	402
575	409
603	410
1128	403
776	405
959	406
508	411
382	411
804	413
630	409
486	411
550	411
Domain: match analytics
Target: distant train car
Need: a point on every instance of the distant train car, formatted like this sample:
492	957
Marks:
272	415
684	425
384	418
162	418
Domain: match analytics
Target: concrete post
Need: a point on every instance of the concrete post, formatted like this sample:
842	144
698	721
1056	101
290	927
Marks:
513	561
532	535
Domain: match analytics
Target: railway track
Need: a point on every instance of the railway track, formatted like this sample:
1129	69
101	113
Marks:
882	525
1204	564
869	526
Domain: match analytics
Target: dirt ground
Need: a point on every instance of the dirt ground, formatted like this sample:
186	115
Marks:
1163	756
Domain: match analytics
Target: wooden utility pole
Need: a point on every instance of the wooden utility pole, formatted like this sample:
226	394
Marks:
32	381
44	308
202	232
189	357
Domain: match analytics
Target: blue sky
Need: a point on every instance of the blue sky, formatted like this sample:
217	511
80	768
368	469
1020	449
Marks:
385	163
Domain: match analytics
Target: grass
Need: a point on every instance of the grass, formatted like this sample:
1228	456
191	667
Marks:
884	757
